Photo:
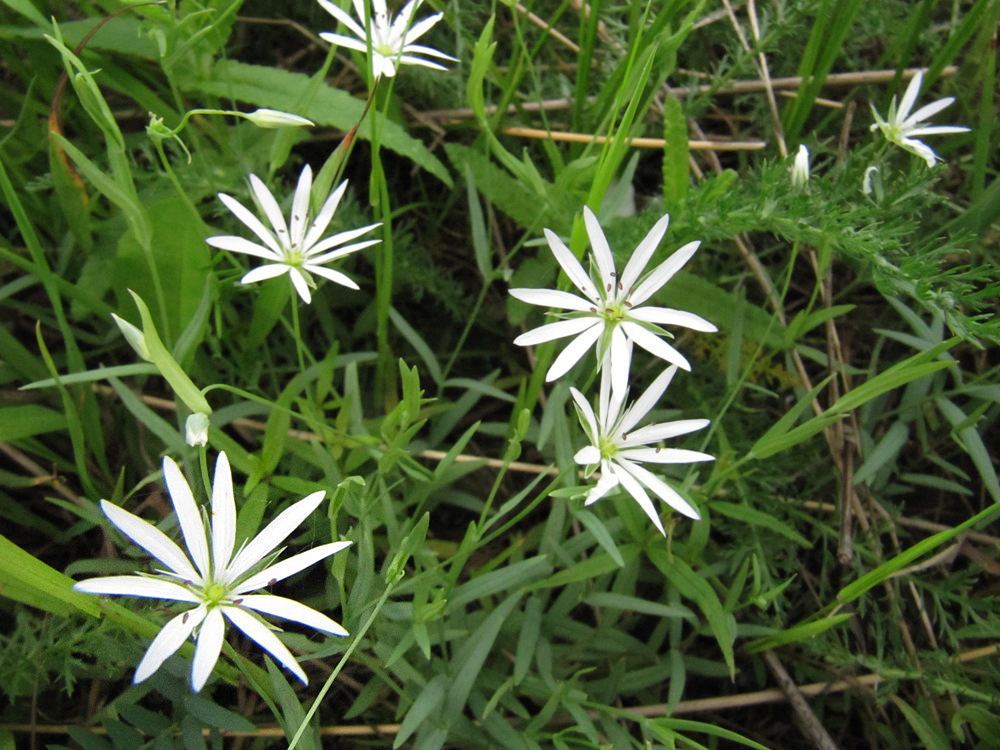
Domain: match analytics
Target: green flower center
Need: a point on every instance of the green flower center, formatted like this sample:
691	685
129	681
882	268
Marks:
608	448
214	594
614	312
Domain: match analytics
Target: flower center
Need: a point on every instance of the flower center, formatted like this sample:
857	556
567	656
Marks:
614	312
214	594
608	448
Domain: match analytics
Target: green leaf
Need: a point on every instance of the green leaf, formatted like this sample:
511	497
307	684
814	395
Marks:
797	633
676	167
18	422
216	716
427	702
25	578
754	517
931	738
274	88
611	600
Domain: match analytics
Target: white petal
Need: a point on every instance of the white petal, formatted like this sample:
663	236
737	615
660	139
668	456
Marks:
662	273
928	111
558	330
343	17
151	539
167	641
271	209
267	640
572	267
273	534
665	456
590	421
338	253
573	351
921	149
420	28
339	239
552	298
663	431
288	567
289	609
649	398
605	484
419	49
655	345
632	486
620	361
668	317
149	588
300	284
910	96
240	245
666	493
252	223
344	41
192	527
208	648
223	514
602	252
300	208
607	407
937	130
324	217
410	60
643	253
588	456
261	273
335	276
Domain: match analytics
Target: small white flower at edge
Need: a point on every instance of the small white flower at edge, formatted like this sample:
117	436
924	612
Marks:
392	41
900	126
620	450
296	248
866	182
217	582
800	167
611	311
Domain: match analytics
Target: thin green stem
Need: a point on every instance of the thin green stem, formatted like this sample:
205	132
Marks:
340	665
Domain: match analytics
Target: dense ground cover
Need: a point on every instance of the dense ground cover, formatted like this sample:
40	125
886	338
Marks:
827	579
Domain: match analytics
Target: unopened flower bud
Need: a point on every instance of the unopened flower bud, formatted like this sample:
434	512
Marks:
272	118
135	337
196	429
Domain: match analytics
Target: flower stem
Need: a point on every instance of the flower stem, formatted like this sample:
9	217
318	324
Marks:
340	665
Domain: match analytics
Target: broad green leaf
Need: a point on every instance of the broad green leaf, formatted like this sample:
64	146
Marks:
27	579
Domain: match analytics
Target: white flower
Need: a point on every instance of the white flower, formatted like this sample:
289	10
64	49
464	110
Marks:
612	311
273	118
800	167
620	451
196	429
219	583
900	126
392	41
296	249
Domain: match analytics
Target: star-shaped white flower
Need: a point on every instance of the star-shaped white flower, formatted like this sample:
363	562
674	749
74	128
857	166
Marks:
392	40
620	451
296	248
611	311
900	126
219	583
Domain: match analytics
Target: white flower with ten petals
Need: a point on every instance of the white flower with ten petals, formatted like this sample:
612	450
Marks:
297	249
392	41
610	314
620	450
217	582
900	126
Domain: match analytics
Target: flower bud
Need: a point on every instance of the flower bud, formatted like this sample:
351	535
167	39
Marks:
135	337
196	429
272	118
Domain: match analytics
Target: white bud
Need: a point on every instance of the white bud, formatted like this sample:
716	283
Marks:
800	167
866	182
196	429
135	337
272	118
